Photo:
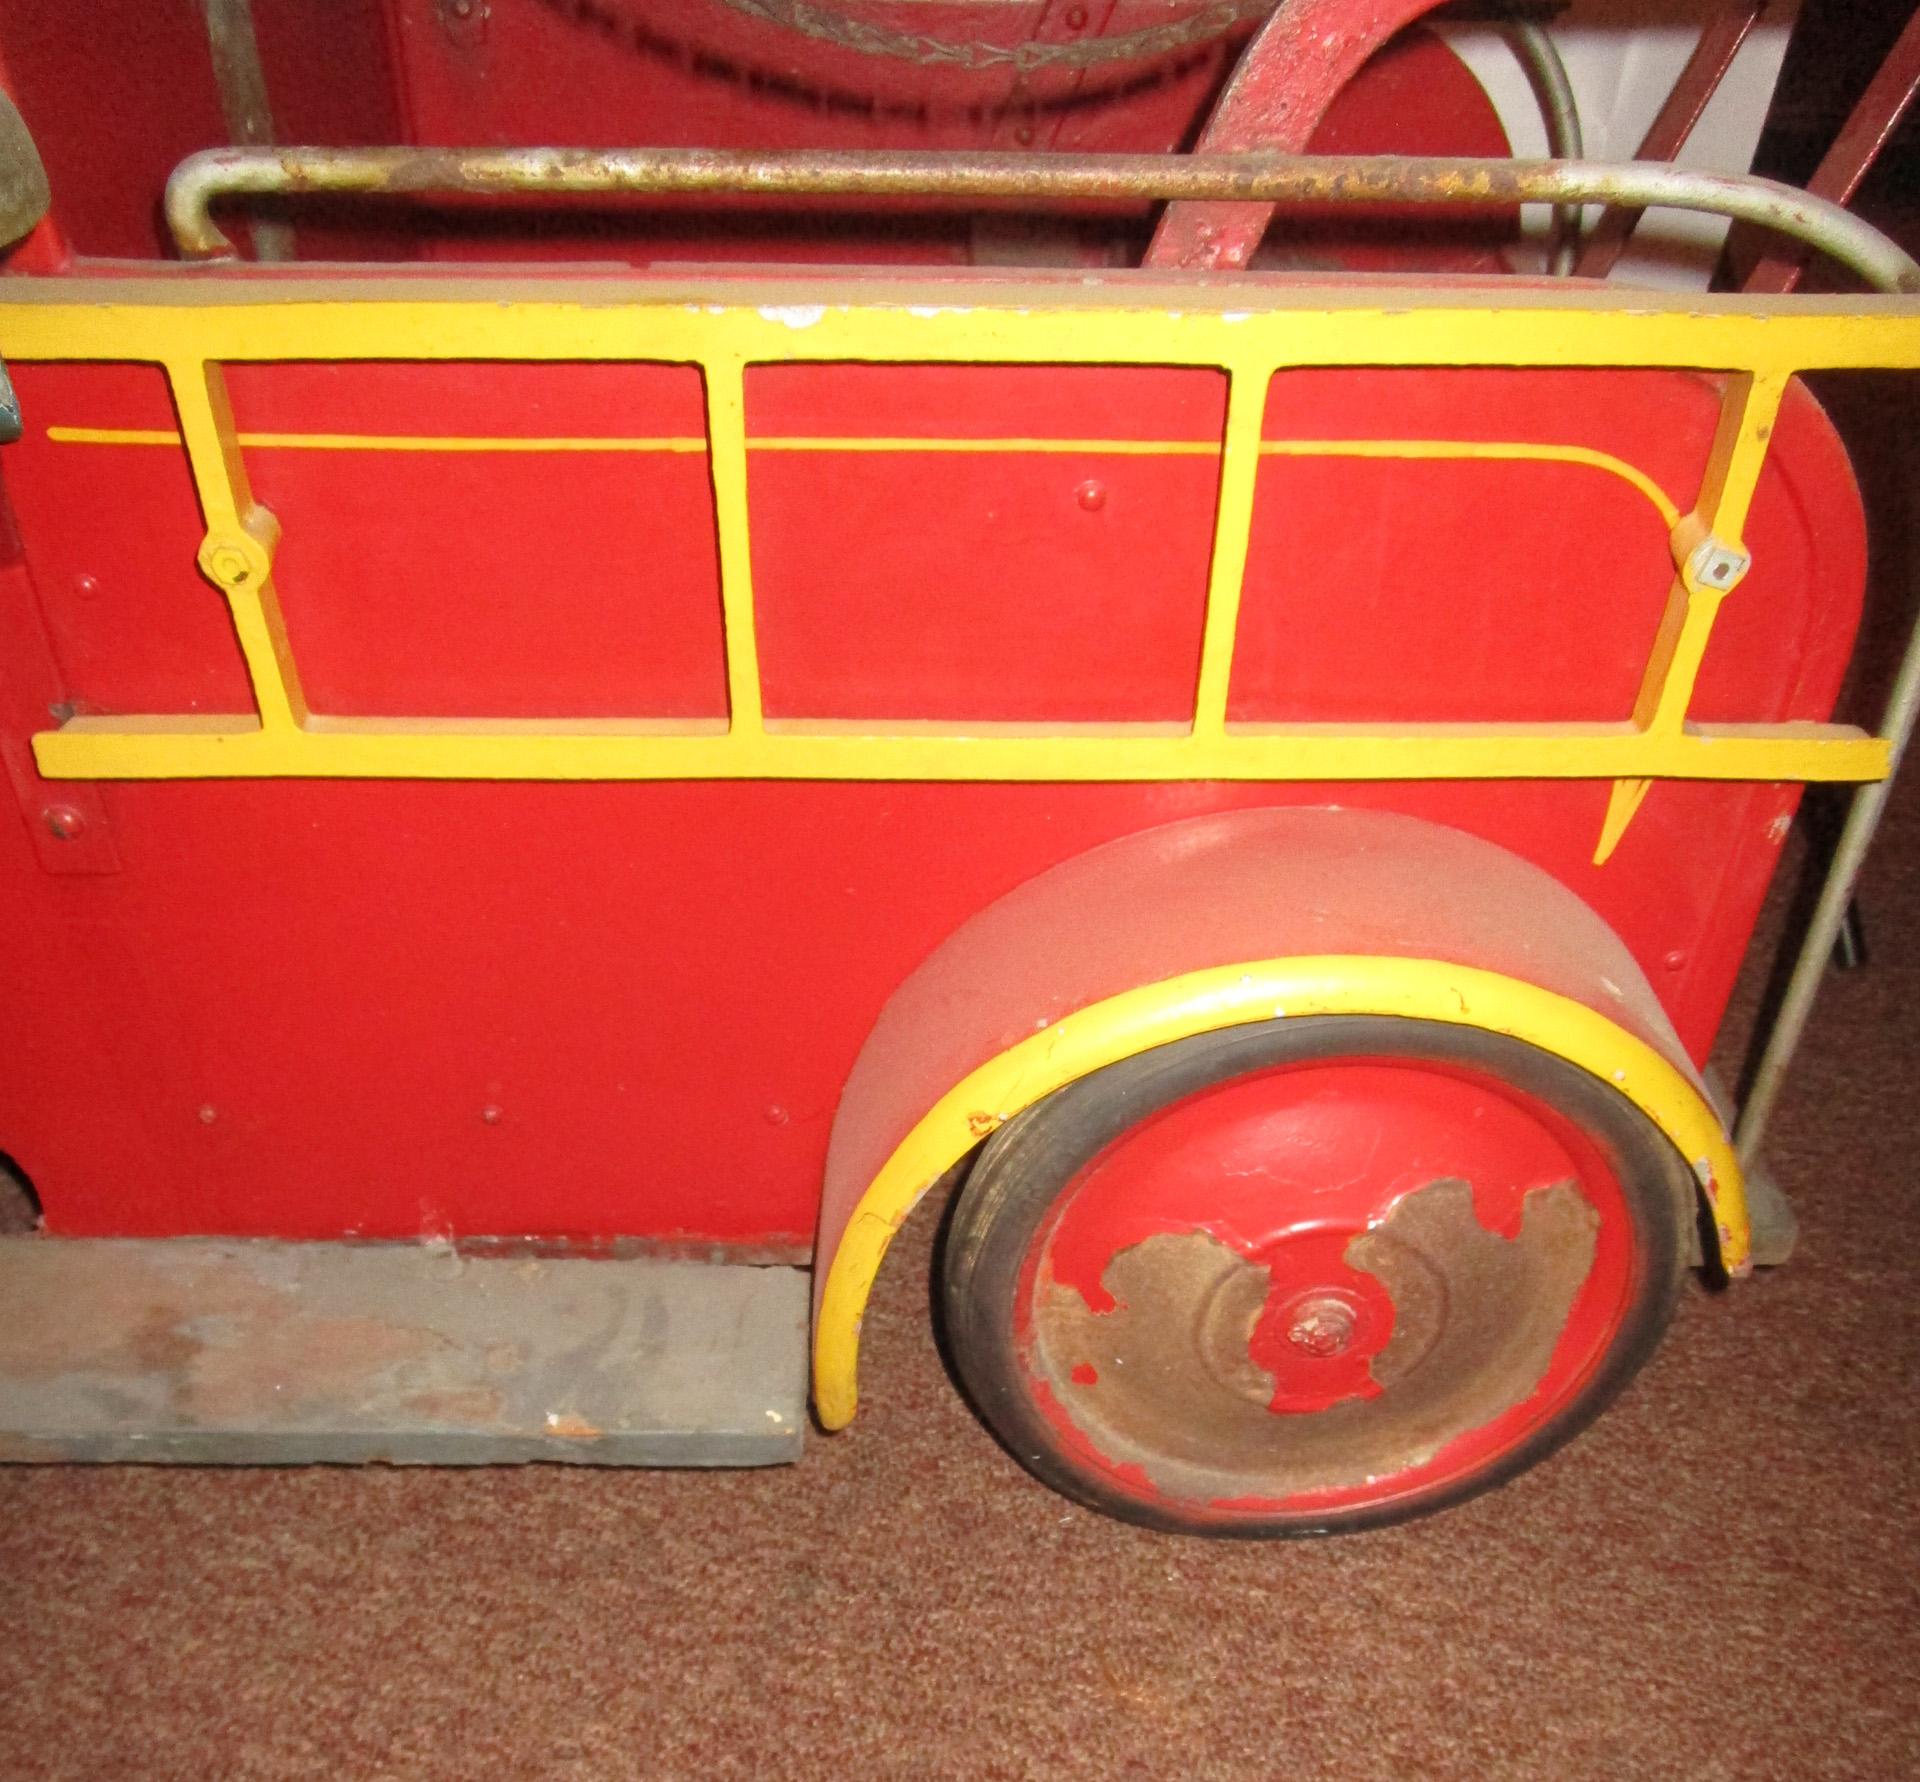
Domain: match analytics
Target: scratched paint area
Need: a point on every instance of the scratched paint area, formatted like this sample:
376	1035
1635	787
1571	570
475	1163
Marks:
1166	1380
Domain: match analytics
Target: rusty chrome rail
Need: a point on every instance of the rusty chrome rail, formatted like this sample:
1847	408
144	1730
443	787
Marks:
207	178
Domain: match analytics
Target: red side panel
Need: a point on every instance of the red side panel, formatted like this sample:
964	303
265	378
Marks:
551	574
1041	584
112	532
311	1008
1384	588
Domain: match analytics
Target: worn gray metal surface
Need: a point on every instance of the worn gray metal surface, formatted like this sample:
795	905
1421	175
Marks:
227	1352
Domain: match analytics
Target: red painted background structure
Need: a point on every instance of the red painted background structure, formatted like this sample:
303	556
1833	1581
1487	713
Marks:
593	1011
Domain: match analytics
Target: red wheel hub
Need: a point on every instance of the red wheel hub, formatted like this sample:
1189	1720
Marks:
1322	1324
1325	1284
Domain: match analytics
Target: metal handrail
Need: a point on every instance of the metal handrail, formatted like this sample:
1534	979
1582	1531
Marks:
204	179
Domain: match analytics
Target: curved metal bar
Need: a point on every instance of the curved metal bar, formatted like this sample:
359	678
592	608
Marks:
1536	52
204	179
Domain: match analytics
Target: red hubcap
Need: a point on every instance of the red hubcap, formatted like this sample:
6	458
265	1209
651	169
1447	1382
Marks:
1323	1285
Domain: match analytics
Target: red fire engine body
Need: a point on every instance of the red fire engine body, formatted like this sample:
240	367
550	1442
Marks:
583	734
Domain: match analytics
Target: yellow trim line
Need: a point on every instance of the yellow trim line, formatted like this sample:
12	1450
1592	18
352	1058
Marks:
1103	1033
1438	449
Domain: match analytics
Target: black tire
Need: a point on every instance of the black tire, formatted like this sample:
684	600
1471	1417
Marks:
1026	1167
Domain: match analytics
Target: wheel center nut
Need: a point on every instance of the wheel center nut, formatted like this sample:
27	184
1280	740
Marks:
1321	1327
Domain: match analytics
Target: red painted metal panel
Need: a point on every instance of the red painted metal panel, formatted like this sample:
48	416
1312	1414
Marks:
1010	584
66	826
311	1008
493	583
112	533
1384	589
1782	641
658	989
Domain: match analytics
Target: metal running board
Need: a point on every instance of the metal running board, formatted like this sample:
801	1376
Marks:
226	1352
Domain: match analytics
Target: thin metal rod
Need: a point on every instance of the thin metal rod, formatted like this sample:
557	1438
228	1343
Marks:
203	179
1864	134
1864	811
238	73
1546	73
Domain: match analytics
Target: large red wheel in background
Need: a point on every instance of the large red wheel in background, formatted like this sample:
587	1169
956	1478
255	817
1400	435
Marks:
1311	1275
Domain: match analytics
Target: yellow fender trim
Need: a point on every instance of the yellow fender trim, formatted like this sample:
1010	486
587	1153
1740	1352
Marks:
1105	1032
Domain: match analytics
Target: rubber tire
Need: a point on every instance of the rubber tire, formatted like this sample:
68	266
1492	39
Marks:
1024	1167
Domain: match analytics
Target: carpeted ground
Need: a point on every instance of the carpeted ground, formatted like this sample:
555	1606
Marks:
1717	1582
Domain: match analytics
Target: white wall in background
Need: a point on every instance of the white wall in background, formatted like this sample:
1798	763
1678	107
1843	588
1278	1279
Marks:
1623	57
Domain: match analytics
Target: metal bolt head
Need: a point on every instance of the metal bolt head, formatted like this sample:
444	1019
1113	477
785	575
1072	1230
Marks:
63	822
1076	18
226	563
1092	495
87	587
1321	1327
1718	566
491	1114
